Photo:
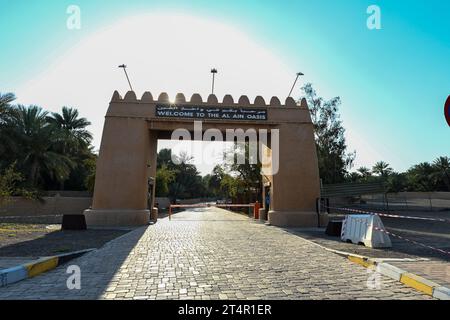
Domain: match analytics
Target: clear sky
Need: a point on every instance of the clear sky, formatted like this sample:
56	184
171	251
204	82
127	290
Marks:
393	82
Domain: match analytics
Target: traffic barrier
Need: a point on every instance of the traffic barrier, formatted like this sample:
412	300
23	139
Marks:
365	229
389	233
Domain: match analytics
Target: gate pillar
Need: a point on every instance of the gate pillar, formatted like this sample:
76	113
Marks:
126	160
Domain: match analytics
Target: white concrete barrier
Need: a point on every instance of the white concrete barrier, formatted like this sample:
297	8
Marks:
366	229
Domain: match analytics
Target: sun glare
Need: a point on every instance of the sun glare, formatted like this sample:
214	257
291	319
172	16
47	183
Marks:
174	53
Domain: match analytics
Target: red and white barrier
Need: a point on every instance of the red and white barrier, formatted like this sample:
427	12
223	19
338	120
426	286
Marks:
389	233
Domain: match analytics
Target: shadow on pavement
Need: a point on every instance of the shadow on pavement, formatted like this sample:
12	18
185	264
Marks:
98	269
58	242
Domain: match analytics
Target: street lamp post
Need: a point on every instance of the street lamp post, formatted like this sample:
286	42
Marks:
214	72
124	67
295	82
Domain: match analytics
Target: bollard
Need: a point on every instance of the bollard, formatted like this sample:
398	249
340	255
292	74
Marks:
256	210
170	212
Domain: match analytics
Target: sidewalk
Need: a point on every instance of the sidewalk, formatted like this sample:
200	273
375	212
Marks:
428	265
434	270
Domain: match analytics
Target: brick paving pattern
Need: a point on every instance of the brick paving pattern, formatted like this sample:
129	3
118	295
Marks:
210	254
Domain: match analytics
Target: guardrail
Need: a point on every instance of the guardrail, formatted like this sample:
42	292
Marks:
352	189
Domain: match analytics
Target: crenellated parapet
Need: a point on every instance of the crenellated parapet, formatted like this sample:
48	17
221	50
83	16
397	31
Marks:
212	100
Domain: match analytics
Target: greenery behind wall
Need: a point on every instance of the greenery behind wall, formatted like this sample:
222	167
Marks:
52	151
181	180
335	162
43	151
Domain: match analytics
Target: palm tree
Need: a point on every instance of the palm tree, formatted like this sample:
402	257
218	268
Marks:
37	140
442	168
353	177
364	172
7	143
420	177
382	169
72	130
73	139
5	104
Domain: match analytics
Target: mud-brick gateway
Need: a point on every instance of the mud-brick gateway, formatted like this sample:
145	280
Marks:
128	153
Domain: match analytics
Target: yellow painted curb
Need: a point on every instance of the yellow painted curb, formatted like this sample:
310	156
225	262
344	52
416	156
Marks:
39	267
361	261
408	279
417	283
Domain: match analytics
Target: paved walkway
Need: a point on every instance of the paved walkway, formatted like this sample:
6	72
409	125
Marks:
211	254
431	264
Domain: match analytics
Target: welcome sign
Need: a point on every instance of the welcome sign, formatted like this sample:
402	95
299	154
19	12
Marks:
193	112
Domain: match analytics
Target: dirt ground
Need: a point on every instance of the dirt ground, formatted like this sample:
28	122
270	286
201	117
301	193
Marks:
38	240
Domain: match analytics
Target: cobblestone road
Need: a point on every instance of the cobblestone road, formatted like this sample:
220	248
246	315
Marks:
210	254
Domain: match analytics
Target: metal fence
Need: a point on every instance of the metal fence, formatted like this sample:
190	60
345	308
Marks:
404	201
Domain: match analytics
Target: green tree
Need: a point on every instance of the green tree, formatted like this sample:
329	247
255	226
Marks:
7	141
334	160
419	177
382	169
215	180
206	181
164	157
442	171
182	177
37	140
5	105
48	150
89	178
364	172
9	179
233	187
396	182
10	185
248	175
164	177
353	177
73	141
73	135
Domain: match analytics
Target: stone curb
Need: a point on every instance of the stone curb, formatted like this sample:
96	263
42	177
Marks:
33	269
408	279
